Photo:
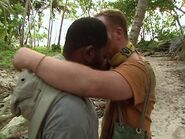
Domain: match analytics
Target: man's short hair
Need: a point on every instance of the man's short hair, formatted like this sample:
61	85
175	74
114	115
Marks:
115	17
84	32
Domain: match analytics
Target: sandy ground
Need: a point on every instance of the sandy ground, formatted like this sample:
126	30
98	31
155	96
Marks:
169	112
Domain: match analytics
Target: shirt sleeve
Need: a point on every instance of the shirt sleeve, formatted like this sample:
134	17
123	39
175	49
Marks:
135	75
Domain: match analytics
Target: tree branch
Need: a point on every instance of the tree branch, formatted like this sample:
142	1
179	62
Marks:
180	9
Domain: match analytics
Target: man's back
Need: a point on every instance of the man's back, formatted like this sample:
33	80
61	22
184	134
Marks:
71	117
53	114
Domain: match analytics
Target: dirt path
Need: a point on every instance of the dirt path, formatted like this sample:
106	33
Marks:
169	112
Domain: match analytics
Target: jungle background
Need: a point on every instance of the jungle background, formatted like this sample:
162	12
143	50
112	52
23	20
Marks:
156	28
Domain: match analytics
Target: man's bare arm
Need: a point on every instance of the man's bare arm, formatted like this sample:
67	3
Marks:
75	78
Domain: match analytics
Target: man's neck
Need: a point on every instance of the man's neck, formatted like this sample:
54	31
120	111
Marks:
124	43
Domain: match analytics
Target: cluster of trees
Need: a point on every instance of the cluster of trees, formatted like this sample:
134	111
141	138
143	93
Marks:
162	18
21	21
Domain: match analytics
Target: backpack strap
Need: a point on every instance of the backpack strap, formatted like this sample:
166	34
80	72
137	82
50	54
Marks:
146	98
49	96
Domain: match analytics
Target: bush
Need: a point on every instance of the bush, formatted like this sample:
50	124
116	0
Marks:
46	51
7	54
147	46
55	48
4	46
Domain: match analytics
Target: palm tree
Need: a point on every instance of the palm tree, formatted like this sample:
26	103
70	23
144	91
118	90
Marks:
54	5
24	21
138	20
50	24
61	22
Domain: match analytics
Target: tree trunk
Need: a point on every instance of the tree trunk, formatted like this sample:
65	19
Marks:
61	23
178	22
49	28
138	20
30	26
50	32
23	24
50	24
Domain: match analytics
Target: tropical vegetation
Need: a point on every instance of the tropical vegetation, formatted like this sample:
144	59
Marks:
150	22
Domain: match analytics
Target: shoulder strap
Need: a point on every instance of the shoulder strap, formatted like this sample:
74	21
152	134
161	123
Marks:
146	99
120	114
49	96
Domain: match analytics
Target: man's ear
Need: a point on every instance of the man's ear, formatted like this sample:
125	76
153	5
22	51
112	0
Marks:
119	32
89	53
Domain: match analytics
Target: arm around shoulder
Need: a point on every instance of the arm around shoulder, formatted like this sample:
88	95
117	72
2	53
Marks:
73	77
26	58
110	85
84	81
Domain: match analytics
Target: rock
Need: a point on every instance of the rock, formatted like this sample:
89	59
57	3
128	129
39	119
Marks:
176	44
179	133
147	53
163	46
99	105
4	119
7	82
17	124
